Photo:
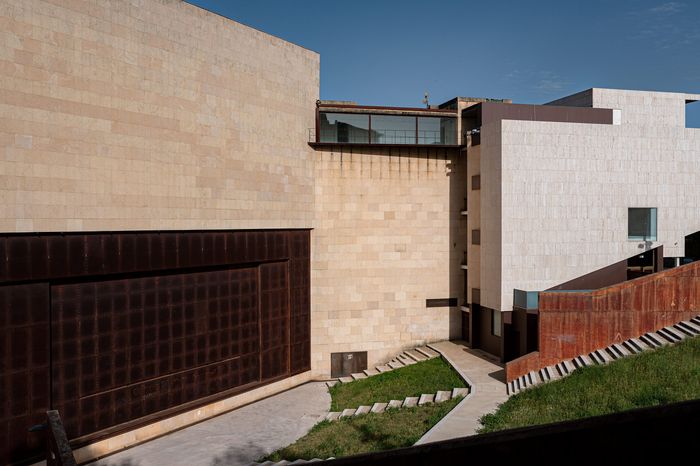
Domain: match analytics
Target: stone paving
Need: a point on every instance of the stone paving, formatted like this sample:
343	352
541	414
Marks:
235	438
486	377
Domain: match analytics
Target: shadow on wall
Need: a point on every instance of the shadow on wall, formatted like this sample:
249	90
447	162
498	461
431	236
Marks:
458	240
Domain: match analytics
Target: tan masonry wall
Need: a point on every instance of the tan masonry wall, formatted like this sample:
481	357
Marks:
123	115
388	235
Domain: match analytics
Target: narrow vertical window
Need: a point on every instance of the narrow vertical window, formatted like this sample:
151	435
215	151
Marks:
495	323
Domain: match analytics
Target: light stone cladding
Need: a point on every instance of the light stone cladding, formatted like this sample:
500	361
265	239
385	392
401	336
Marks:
555	195
130	114
388	236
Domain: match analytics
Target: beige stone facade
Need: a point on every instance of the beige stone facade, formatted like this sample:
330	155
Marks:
388	236
124	115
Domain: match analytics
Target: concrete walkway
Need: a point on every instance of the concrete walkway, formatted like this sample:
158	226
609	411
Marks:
235	438
488	389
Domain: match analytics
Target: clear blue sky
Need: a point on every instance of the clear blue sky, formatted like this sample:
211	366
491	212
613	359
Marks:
389	52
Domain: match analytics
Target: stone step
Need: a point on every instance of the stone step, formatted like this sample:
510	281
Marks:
405	360
358	375
442	395
410	402
695	328
333	416
384	368
370	372
345	379
363	410
632	347
426	398
394	404
427	352
379	407
347	413
460	391
640	344
695	320
684	330
582	361
331	383
544	374
603	356
394	364
595	358
532	376
415	355
670	336
653	340
675	332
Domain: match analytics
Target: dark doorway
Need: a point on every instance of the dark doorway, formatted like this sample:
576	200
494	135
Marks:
465	326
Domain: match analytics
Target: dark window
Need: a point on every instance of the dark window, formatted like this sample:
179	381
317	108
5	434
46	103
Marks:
441	302
476	295
641	223
344	127
476	182
476	236
495	323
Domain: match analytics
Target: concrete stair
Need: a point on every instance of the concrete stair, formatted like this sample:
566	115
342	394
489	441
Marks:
649	341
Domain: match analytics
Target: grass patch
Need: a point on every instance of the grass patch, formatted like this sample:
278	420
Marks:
423	377
394	428
667	375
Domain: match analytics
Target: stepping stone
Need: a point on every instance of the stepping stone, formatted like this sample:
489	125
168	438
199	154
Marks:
426	399
569	366
410	402
584	361
654	341
379	407
427	352
460	391
695	320
370	372
345	379
332	416
561	370
384	368
395	364
331	383
683	330
544	374
612	353
442	395
394	404
358	376
510	390
363	410
347	413
415	356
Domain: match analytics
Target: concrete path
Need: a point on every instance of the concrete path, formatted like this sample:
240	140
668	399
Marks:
488	389
237	437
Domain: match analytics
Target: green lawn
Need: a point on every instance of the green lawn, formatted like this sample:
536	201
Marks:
395	428
658	377
423	377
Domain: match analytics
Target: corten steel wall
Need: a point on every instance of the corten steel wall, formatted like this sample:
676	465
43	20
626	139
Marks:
574	323
119	329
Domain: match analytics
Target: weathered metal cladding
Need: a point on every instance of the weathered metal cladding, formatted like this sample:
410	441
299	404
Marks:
577	323
140	325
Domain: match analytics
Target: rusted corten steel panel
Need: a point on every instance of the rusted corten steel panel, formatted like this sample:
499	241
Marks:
51	256
141	325
577	323
24	368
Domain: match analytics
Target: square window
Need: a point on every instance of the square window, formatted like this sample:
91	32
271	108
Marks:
476	236
641	223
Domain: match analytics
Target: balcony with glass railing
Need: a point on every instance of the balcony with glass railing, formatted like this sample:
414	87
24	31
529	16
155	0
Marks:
361	125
